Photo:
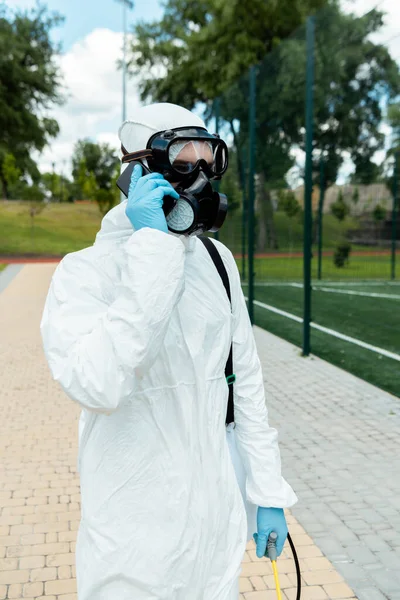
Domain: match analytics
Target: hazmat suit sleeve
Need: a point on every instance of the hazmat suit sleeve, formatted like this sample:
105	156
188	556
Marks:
102	332
257	442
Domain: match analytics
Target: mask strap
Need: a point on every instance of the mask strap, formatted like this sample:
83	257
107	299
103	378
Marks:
130	156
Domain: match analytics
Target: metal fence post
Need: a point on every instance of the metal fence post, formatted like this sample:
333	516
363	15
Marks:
308	185
252	129
217	106
395	212
320	213
244	211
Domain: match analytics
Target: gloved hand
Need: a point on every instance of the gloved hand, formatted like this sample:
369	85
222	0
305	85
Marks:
145	200
268	520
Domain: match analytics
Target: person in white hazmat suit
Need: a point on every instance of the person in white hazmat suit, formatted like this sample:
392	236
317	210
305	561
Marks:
137	329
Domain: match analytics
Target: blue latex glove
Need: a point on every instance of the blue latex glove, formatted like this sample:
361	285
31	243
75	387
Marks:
145	200
268	520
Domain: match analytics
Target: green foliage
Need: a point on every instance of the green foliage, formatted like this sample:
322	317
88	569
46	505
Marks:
393	117
57	187
10	172
105	200
201	47
230	185
352	75
356	196
393	153
341	255
30	84
339	208
201	50
32	193
288	203
367	172
379	213
95	169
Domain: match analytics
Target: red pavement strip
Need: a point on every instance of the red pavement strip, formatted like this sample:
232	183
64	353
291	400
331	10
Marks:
17	260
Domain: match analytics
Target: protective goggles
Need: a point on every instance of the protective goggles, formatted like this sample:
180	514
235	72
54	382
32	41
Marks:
181	152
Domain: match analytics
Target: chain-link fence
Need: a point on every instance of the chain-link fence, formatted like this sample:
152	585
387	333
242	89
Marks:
313	183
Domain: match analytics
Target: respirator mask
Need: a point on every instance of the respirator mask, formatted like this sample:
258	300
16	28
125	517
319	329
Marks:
189	158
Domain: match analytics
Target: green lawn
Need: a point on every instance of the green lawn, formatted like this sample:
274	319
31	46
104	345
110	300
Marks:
59	229
289	232
373	320
359	268
63	228
2	266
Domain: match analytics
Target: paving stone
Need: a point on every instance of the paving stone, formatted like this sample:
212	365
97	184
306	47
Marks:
370	593
361	555
345	422
339	448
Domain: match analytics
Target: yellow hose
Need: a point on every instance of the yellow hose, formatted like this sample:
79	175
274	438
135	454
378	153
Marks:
277	585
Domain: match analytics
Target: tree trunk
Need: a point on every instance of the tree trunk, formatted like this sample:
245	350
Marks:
262	229
5	188
266	231
315	230
32	232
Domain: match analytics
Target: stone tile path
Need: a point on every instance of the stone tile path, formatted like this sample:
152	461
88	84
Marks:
340	439
317	408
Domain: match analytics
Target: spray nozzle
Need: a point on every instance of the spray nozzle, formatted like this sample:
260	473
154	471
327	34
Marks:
271	546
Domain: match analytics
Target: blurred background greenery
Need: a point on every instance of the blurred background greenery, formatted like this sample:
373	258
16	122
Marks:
200	54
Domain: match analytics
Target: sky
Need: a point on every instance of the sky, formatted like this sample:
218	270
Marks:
91	44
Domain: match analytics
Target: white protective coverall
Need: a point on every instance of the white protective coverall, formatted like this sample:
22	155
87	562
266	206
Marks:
137	330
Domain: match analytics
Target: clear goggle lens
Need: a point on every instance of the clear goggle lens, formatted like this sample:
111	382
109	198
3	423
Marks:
184	155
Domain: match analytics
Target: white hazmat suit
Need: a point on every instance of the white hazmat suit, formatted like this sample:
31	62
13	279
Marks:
137	330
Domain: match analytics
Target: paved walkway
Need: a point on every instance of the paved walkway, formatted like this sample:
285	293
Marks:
338	443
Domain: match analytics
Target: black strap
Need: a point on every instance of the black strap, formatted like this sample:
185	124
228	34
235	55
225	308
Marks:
230	378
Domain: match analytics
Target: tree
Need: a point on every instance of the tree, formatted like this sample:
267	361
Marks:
339	208
393	154
230	186
353	75
10	173
56	186
201	47
341	254
96	161
199	50
30	85
107	198
393	117
379	213
288	203
95	169
356	196
367	171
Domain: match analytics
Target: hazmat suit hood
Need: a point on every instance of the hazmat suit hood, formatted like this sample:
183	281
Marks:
134	135
148	120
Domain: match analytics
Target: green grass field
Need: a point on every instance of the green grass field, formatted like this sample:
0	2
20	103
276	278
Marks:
359	268
371	315
289	232
63	228
59	229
